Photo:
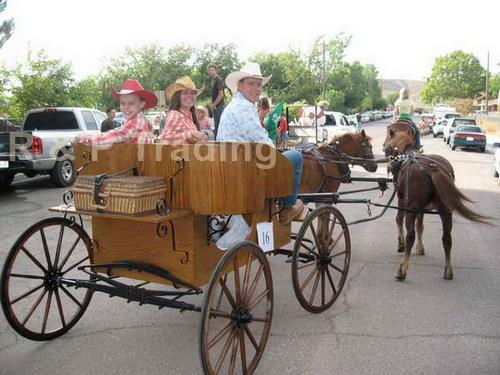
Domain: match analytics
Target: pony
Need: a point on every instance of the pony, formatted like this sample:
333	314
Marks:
423	182
325	167
400	125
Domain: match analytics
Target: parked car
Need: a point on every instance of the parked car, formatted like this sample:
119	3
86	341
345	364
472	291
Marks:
468	136
365	117
119	119
43	146
437	129
497	161
452	123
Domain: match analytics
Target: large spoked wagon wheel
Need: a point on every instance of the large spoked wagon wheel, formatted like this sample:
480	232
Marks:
35	302
237	312
320	260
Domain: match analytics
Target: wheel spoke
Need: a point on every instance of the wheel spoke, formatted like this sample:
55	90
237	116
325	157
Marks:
71	296
59	306
232	363
27	276
339	253
308	264
315	287
237	280
33	259
330	231
227	293
27	294
323	286
308	279
69	254
316	240
46	249
59	244
74	265
47	311
254	284
257	299
33	308
220	335
332	246
336	268
246	277
259	319
311	250
243	354
251	337
332	284
225	350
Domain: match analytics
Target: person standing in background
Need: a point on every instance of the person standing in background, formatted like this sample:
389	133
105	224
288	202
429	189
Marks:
217	94
109	123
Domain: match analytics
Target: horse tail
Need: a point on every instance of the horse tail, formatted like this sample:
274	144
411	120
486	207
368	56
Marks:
453	198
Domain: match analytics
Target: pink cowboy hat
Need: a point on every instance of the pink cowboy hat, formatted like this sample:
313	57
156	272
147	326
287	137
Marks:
132	86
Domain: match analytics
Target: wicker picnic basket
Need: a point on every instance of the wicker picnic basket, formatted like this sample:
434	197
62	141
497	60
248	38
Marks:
129	195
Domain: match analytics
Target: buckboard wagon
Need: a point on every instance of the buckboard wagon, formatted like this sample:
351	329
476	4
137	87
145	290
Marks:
167	256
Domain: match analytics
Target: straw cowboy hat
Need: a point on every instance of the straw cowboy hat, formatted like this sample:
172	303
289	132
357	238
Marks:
132	86
182	83
250	69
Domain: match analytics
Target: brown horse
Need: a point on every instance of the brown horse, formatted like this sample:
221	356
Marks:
323	169
398	126
423	182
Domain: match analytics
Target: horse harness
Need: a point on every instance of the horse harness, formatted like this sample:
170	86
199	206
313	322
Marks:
406	159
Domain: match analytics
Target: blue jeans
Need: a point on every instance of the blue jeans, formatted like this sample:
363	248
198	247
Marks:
295	157
217	114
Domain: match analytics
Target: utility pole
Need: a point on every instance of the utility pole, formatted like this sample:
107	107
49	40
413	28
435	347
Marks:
487	78
324	72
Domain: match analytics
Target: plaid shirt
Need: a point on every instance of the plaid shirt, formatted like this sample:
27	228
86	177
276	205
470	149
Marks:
135	130
178	127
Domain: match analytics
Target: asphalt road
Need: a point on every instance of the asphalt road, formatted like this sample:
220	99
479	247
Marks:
425	325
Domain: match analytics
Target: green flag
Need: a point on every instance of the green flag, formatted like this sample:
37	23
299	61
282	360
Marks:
271	121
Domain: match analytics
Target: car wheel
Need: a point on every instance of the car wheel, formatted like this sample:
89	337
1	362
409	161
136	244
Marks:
5	180
495	173
434	135
63	174
482	149
453	147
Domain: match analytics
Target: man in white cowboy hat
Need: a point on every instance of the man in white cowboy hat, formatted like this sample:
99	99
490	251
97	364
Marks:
240	122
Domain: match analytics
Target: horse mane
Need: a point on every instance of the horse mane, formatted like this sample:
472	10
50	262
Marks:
351	136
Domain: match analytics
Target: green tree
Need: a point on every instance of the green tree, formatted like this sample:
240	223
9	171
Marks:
41	82
7	26
494	86
456	75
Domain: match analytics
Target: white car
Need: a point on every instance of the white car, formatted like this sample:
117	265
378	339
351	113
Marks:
452	124
497	161
437	130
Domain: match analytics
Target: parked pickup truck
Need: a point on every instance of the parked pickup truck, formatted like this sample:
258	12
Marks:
43	145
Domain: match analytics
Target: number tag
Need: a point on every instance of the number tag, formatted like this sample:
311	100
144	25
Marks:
266	236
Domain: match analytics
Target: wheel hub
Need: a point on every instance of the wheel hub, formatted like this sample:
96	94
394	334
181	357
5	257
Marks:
52	279
325	259
242	316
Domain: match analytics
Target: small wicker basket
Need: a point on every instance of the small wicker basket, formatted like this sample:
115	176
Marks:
129	195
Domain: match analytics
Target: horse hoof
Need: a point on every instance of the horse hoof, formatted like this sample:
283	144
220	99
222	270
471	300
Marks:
401	249
421	252
401	276
448	274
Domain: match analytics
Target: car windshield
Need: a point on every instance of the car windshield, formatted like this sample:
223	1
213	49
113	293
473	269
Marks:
469	129
51	120
451	115
465	122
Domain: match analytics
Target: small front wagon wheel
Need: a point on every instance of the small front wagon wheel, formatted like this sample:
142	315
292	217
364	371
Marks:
237	312
35	302
320	260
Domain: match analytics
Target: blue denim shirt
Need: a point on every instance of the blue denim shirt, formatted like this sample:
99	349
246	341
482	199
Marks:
240	122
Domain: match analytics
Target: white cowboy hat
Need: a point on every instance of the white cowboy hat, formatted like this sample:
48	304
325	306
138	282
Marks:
250	69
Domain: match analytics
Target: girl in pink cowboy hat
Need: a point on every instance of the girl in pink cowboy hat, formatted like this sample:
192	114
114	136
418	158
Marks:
133	100
181	124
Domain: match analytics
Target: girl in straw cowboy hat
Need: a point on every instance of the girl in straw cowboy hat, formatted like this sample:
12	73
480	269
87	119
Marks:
133	100
181	124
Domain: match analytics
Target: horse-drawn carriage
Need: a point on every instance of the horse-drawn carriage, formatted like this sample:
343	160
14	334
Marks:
165	257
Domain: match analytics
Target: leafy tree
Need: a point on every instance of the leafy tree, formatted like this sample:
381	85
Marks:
41	82
456	75
7	27
391	98
494	86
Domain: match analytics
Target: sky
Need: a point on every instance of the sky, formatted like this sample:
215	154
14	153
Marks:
401	38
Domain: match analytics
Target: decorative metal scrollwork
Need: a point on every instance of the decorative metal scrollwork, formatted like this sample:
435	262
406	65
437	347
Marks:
87	156
72	219
162	207
68	198
162	230
216	226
